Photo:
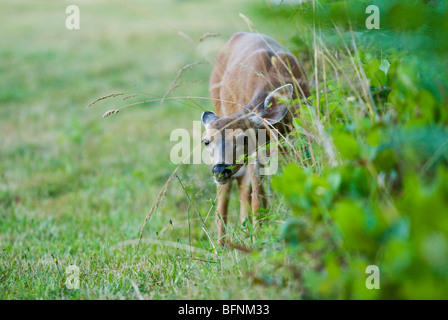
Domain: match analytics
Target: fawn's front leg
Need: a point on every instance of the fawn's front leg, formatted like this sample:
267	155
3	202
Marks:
223	194
244	190
258	200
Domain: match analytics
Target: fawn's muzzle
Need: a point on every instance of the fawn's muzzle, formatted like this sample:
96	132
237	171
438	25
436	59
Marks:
222	172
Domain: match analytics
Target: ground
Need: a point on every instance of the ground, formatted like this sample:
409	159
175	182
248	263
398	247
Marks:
75	188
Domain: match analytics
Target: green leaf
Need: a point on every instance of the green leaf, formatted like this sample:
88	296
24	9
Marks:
347	145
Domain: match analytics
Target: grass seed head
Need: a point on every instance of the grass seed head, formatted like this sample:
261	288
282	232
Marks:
108	113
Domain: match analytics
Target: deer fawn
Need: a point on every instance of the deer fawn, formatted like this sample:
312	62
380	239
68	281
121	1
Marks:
252	82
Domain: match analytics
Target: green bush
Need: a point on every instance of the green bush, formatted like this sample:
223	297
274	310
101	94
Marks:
377	192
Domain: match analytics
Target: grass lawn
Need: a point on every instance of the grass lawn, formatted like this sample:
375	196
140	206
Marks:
75	188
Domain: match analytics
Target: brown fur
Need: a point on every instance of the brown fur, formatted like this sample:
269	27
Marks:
246	70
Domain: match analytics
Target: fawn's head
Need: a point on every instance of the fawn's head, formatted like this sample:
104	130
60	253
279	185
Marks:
231	140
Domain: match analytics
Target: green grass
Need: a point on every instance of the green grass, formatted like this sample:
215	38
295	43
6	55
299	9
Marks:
364	185
78	187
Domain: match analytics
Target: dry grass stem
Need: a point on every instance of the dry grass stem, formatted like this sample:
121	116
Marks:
108	113
248	22
104	97
176	83
131	96
208	35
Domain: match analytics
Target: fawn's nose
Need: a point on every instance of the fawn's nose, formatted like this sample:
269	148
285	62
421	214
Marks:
221	171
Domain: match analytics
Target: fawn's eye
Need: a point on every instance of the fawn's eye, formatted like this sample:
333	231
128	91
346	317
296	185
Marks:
206	142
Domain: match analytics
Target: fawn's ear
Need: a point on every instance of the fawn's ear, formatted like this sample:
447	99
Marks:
208	117
275	105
